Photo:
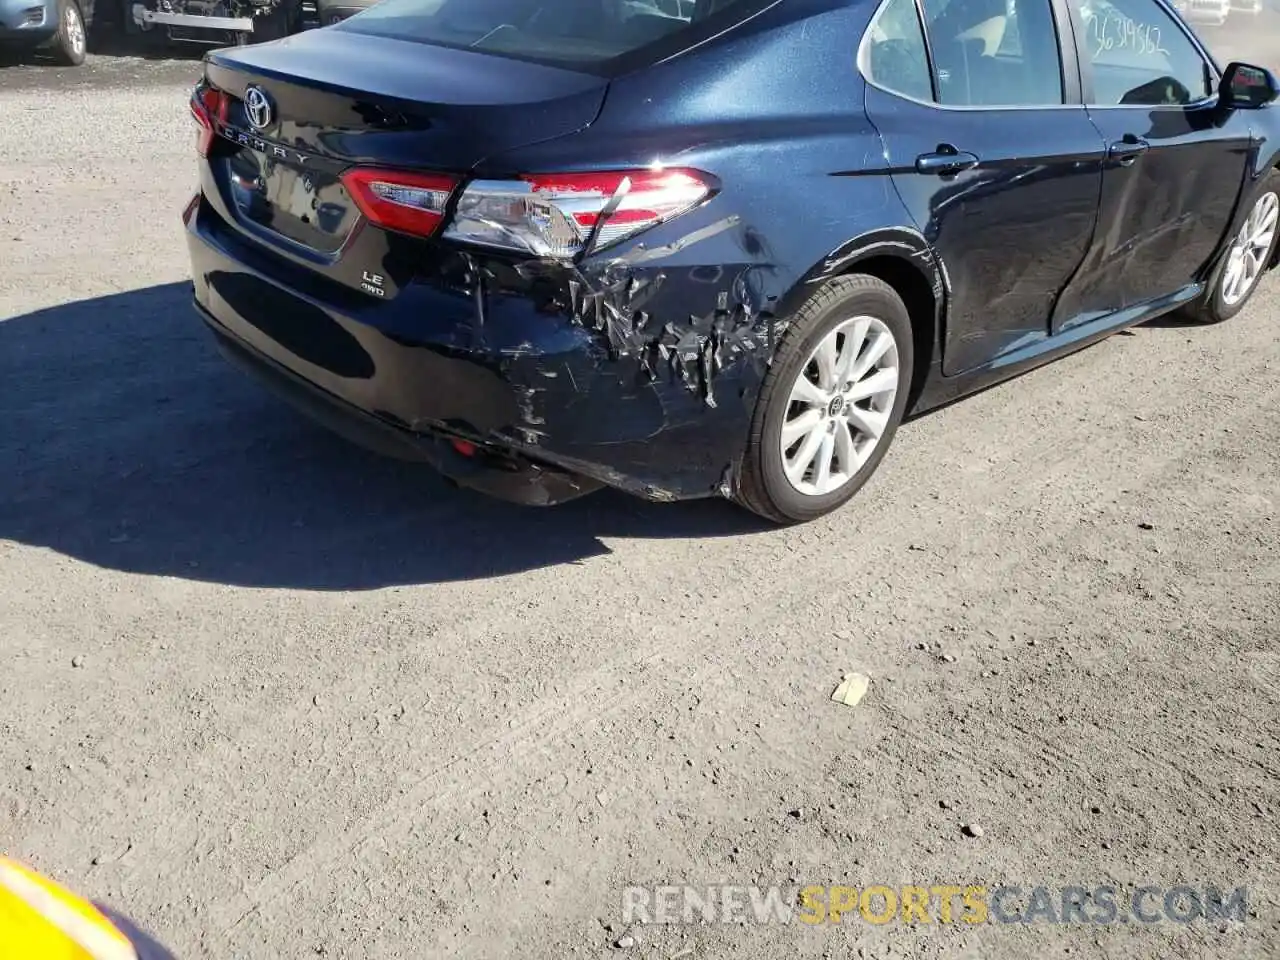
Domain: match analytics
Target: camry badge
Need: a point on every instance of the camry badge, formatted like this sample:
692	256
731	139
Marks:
257	107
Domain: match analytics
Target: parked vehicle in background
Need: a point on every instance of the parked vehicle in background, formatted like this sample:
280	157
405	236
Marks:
60	27
1205	13
325	13
237	22
1253	7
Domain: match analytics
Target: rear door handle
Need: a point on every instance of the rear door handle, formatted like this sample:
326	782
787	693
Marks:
1128	150
946	161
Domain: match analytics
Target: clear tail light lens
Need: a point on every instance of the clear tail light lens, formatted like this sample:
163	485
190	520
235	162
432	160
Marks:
554	215
207	106
412	203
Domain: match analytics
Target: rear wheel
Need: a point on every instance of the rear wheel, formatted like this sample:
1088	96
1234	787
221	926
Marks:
831	402
71	42
1251	253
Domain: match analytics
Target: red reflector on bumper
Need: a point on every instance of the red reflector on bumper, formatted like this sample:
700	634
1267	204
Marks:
464	447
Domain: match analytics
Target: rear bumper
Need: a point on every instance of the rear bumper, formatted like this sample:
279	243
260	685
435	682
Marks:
512	479
152	18
554	412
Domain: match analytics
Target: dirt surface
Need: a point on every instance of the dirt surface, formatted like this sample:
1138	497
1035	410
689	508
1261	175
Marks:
274	698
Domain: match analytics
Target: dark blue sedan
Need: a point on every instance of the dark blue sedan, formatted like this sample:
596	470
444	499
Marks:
693	248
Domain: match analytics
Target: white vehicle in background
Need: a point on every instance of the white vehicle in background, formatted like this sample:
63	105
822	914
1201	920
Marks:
1246	6
1207	13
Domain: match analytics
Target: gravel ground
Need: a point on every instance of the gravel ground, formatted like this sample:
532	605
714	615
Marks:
274	698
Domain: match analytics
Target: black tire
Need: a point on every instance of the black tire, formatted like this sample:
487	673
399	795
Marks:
1213	306
763	487
71	42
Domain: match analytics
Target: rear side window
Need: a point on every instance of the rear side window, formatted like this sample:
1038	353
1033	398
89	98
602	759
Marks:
980	53
995	52
897	58
583	34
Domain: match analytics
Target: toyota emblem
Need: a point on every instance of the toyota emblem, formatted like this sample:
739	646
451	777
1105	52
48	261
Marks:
257	107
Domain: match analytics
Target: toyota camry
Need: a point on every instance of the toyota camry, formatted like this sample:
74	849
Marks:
695	248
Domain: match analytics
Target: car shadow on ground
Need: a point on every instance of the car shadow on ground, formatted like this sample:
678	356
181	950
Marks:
129	443
112	42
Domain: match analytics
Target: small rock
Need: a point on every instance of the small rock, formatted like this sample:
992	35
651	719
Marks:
1095	809
625	941
77	661
797	814
948	658
1106	845
1144	525
985	674
603	798
973	830
316	700
944	804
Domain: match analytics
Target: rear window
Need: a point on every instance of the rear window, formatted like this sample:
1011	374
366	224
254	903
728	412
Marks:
581	34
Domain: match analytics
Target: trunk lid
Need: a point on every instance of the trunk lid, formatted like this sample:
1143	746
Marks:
302	110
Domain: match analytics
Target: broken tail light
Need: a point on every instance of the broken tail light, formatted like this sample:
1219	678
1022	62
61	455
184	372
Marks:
412	203
208	106
555	215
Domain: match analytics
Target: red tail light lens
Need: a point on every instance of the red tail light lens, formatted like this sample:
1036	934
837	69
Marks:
553	215
412	203
207	106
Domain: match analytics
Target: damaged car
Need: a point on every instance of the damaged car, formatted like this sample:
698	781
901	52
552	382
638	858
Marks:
710	247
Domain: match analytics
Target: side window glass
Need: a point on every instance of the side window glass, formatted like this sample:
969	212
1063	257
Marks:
895	54
995	52
1140	57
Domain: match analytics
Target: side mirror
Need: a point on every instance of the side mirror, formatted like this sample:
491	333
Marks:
1246	87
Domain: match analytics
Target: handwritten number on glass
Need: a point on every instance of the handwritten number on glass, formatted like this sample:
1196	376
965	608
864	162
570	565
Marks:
1114	31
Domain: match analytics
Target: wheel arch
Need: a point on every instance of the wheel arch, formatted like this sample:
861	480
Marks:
1266	162
903	259
1275	169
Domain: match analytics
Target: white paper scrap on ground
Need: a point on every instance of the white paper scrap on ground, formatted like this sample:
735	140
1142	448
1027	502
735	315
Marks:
852	689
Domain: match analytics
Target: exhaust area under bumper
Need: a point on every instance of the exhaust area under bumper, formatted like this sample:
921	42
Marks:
499	475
